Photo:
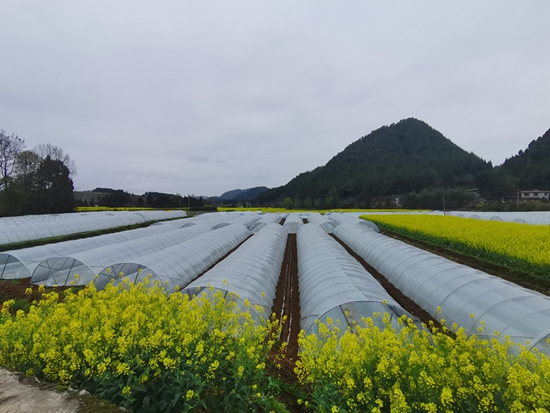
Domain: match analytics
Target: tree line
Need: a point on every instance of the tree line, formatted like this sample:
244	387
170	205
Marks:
34	181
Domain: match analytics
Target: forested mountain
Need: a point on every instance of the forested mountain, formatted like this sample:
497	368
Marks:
243	194
532	166
403	157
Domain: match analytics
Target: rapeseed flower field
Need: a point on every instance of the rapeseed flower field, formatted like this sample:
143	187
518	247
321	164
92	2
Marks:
518	246
409	369
133	346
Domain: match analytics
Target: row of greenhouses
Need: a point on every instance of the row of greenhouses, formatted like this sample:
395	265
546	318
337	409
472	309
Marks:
248	249
524	217
33	227
78	261
481	303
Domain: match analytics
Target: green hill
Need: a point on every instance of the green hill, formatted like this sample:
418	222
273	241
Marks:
531	167
406	156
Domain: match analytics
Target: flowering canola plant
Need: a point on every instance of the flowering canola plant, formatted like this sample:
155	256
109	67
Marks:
409	369
520	246
133	346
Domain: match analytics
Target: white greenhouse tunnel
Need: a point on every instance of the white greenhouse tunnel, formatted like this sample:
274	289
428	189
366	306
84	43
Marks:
266	219
33	227
470	298
334	285
81	268
323	221
178	265
293	222
523	217
250	273
345	218
21	263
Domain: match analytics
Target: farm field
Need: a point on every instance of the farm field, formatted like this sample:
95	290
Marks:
149	350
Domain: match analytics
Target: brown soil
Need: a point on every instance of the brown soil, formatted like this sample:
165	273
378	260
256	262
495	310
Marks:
17	290
286	306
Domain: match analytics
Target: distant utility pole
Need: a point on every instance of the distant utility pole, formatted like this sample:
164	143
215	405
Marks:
518	197
444	205
188	202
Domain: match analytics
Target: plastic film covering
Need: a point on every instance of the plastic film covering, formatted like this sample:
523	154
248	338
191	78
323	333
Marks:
293	222
81	268
177	266
21	263
470	298
344	218
251	272
248	220
265	220
334	285
33	227
526	217
218	219
323	221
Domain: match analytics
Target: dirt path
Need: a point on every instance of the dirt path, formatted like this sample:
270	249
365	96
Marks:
21	394
287	304
287	300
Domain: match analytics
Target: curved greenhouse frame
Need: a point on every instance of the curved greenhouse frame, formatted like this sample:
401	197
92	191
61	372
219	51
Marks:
470	298
334	285
323	221
177	266
251	272
524	217
293	222
31	228
21	263
248	220
81	268
265	220
344	218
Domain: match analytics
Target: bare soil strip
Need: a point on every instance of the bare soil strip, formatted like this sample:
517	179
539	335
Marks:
287	301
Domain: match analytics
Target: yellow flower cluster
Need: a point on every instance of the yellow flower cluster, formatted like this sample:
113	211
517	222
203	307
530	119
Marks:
508	243
125	343
411	370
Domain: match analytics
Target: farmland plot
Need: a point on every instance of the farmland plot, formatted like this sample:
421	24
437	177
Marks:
133	339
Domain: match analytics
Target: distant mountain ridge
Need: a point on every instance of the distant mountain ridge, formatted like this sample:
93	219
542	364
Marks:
406	156
242	194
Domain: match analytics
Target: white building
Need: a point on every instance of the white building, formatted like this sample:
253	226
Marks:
534	195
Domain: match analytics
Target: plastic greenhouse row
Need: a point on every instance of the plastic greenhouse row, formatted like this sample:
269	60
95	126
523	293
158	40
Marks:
333	284
177	266
252	271
65	256
33	227
293	222
322	220
527	217
345	218
81	268
265	220
220	219
477	301
21	263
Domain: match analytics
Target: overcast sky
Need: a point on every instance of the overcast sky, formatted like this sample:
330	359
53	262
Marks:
207	96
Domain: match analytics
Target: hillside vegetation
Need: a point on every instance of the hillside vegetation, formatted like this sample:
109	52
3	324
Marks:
403	157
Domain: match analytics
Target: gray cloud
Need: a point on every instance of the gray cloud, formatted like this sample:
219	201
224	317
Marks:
203	97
